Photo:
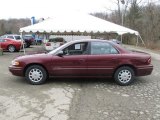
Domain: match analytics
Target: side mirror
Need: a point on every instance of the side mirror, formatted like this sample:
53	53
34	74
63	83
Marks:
60	53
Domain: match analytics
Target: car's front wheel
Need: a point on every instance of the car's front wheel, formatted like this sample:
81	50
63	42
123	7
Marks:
36	75
124	75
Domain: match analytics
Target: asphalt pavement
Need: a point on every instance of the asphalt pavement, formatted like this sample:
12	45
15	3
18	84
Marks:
78	99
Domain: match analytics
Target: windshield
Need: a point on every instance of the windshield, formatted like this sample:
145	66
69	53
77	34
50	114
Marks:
59	48
3	36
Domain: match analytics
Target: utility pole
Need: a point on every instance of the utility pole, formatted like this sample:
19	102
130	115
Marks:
123	3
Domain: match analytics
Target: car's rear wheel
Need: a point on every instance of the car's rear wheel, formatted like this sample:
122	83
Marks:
124	75
11	48
36	75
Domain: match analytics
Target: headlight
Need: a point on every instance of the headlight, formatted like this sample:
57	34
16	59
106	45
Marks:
15	63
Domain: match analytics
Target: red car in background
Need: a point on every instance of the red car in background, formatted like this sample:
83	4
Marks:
10	44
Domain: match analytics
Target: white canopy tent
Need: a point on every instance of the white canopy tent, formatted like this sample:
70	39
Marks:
73	23
77	23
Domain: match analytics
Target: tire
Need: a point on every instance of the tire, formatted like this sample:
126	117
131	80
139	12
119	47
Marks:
17	50
26	45
36	75
11	48
124	75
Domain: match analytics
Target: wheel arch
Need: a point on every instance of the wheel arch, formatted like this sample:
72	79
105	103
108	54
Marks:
34	64
126	65
10	45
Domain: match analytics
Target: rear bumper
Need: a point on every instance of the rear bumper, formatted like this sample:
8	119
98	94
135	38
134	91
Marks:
18	47
17	71
144	70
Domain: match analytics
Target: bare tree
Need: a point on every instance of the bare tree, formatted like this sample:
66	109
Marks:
13	25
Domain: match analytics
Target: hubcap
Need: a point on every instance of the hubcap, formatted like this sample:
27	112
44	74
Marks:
124	76
35	75
11	48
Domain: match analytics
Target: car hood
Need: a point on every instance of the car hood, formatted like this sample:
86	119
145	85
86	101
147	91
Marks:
29	56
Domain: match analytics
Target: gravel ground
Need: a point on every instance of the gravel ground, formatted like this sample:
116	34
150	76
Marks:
78	99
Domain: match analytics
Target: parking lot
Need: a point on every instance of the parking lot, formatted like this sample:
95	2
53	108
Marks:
78	99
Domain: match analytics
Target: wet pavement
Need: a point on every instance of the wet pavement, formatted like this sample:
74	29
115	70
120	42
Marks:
78	99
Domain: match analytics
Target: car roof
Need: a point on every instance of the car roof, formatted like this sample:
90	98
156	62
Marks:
89	40
94	40
11	35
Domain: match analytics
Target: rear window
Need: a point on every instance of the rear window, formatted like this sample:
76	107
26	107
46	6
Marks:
28	36
56	40
17	37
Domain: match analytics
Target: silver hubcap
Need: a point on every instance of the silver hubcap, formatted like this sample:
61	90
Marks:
11	48
35	75
124	76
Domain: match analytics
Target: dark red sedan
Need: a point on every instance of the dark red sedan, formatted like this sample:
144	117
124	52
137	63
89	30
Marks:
84	58
10	44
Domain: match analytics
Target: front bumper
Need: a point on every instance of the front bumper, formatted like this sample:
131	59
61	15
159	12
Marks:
17	71
144	70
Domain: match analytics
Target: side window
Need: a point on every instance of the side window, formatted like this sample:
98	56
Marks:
76	49
102	48
11	37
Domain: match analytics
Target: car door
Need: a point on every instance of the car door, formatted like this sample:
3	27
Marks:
103	59
73	61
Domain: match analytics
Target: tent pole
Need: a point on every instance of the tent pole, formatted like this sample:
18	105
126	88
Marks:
121	38
142	40
23	43
137	41
72	35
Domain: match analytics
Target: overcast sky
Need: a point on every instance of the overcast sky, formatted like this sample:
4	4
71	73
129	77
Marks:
48	8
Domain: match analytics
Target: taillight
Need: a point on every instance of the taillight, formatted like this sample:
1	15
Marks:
48	44
149	61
